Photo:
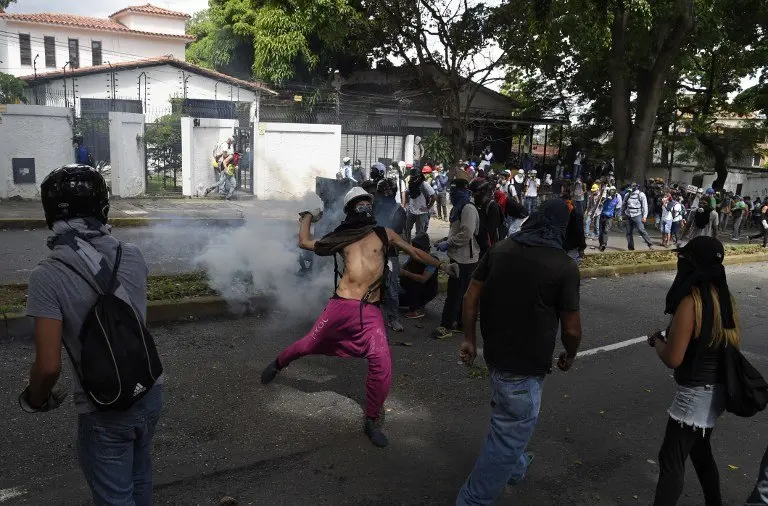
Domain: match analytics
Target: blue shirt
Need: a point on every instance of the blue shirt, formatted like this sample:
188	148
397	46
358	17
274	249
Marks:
440	183
81	155
609	208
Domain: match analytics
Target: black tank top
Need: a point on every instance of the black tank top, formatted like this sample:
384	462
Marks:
702	364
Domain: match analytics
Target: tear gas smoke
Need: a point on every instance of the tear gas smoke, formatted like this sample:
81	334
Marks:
262	258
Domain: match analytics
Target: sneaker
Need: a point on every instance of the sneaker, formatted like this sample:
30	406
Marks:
373	431
650	246
735	238
412	315
396	326
270	372
602	248
442	333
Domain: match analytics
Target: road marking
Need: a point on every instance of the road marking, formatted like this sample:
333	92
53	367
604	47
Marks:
7	494
614	346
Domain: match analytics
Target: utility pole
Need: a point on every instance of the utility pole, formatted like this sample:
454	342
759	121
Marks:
64	70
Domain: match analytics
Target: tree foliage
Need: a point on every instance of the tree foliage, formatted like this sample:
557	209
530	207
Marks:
285	39
12	89
6	3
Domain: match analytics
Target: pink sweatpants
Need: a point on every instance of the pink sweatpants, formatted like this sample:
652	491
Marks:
338	332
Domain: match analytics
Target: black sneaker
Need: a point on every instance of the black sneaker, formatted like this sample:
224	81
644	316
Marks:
602	247
270	372
374	433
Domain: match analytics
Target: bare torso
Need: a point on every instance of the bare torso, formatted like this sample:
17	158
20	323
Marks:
363	266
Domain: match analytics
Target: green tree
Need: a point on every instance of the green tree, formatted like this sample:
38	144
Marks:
12	89
163	141
6	3
302	40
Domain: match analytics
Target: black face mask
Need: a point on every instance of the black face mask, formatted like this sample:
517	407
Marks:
359	215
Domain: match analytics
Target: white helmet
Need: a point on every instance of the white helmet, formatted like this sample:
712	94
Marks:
521	171
355	193
346	159
402	165
533	171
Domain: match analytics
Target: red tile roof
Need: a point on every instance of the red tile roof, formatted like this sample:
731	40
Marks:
83	22
148	62
151	9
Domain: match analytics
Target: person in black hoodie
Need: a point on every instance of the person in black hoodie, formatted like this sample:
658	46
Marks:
575	241
418	281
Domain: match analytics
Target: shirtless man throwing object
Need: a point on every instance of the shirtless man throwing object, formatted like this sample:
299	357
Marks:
352	324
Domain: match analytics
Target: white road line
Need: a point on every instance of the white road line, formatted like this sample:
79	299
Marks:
614	346
6	494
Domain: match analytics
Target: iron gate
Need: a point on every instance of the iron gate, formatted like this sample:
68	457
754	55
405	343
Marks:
244	146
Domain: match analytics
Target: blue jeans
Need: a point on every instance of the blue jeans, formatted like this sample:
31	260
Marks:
759	495
516	401
530	204
636	223
114	451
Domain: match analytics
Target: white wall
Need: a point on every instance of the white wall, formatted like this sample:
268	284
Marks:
126	149
754	183
289	156
21	123
197	145
116	47
153	24
163	83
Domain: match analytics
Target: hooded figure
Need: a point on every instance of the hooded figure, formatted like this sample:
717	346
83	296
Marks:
545	227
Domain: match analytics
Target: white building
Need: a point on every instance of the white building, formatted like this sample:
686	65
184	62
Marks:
37	43
149	86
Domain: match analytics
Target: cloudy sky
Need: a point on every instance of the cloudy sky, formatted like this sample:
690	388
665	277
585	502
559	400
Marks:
102	8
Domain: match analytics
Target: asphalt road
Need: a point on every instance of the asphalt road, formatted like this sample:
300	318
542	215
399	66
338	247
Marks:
299	440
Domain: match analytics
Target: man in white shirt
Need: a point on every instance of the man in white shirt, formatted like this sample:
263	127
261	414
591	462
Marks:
531	188
487	159
636	210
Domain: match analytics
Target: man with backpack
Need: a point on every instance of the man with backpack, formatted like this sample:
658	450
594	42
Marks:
610	207
352	324
90	294
491	224
636	210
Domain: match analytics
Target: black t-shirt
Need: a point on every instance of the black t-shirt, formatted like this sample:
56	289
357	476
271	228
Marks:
525	290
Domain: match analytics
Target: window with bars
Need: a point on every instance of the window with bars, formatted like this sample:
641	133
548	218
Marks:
96	52
50	51
74	54
25	49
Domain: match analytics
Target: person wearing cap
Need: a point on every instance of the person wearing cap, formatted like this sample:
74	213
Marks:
346	170
545	299
592	214
531	188
635	208
704	322
463	249
352	324
738	210
518	182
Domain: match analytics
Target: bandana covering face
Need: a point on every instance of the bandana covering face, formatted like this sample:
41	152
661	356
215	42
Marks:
459	198
545	227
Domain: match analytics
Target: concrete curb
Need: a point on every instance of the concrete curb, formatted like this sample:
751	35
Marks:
16	326
30	223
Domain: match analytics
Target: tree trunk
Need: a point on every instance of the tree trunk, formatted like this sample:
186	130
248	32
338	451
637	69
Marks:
650	90
620	107
721	159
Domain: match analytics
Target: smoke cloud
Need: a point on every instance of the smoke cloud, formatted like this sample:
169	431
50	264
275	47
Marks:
262	259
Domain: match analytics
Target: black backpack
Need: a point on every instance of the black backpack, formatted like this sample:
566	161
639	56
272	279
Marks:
747	390
118	363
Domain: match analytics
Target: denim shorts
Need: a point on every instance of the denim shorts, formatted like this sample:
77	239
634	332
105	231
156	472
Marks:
666	227
699	407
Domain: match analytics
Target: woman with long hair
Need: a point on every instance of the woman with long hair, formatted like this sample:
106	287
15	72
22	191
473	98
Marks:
704	322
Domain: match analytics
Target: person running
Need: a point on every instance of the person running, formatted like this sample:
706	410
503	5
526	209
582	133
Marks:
704	321
636	210
352	324
611	207
389	214
114	447
418	281
463	249
763	224
519	356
